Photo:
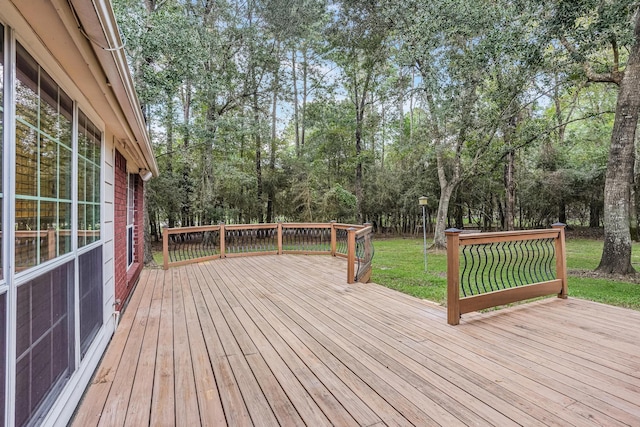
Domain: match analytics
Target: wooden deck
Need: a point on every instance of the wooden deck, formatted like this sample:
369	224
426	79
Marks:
283	340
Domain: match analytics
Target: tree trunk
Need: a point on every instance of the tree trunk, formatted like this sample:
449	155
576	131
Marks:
296	115
509	173
305	94
271	192
510	191
594	214
616	254
359	191
258	148
562	211
439	239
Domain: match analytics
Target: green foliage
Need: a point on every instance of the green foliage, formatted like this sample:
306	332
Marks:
339	204
413	80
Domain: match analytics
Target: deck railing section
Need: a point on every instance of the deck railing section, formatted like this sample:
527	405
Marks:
187	245
486	270
306	238
364	253
191	243
257	239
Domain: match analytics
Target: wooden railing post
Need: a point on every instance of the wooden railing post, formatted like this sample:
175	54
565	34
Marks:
279	238
351	255
222	242
453	276
165	247
333	238
561	259
51	241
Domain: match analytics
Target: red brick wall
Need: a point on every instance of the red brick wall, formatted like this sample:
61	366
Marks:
125	279
120	229
138	232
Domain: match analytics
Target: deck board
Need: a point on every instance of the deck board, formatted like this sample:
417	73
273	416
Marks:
284	340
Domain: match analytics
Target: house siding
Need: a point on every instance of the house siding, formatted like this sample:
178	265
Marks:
49	34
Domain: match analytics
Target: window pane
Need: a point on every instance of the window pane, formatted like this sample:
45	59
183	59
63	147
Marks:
82	225
96	223
48	168
88	196
48	220
65	119
64	173
45	339
131	199
64	228
82	179
26	87
48	105
89	143
26	160
27	236
43	165
90	272
96	184
89	222
129	245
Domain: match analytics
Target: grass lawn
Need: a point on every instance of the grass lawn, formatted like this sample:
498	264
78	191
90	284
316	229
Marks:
399	264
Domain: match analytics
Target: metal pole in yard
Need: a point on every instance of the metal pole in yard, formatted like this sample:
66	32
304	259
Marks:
423	203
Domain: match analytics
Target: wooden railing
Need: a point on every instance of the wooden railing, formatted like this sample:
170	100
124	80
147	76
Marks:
186	245
486	270
27	242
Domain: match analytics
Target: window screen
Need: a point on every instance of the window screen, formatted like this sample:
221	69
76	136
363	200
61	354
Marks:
1	142
44	340
90	272
3	348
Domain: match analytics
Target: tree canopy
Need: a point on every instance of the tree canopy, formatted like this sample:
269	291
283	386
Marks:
505	114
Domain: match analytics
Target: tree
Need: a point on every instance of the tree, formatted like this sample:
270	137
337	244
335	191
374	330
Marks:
357	36
586	28
475	62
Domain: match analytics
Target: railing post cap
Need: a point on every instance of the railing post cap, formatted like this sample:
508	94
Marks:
452	231
221	223
559	225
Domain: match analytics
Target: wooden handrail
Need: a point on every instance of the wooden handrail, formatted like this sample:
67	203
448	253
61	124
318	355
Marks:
277	247
495	273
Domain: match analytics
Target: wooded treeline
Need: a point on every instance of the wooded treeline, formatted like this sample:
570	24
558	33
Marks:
504	114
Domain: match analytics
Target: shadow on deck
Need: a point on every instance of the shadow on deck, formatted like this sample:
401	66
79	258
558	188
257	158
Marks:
284	340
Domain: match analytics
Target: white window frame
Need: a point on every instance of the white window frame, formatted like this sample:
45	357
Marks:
131	210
